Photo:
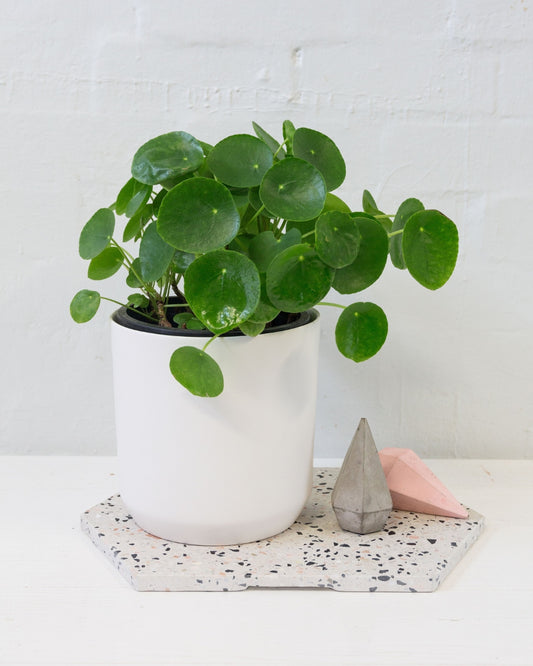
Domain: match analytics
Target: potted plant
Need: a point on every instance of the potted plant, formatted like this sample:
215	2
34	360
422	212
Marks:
228	249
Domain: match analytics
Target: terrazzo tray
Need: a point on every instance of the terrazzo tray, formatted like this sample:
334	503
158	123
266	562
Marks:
413	553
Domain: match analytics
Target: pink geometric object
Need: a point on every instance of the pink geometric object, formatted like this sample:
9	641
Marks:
414	487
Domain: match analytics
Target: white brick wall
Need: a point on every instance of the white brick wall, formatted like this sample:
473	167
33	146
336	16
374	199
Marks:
426	98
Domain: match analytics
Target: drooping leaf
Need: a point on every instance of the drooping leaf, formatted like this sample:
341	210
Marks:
265	246
293	189
361	331
167	156
198	215
319	150
137	222
97	233
223	289
337	238
84	305
288	135
134	274
297	279
406	209
105	264
240	160
154	254
198	372
269	140
371	208
430	245
370	260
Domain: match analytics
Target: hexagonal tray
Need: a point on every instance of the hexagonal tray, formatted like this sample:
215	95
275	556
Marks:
413	553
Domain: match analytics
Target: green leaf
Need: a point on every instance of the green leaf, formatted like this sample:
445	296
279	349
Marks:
154	254
371	208
158	199
182	261
198	372
320	151
269	140
194	324
406	209
97	233
332	203
337	238
182	318
223	289
105	264
84	305
430	245
370	261
132	279
361	331
136	223
288	134
138	300
265	246
252	329
198	215
165	157
240	160
293	190
297	279
132	197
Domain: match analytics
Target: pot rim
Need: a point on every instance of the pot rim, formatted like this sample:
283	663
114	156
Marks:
122	317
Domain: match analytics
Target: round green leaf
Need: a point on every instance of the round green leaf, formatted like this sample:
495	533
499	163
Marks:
430	245
361	331
265	311
105	264
293	190
198	215
84	305
182	260
134	274
97	233
194	325
297	279
370	261
321	152
337	238
406	209
240	160
165	157
269	140
182	318
154	254
265	246
198	372
223	289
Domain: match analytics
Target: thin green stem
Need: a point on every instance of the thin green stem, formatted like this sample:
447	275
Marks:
130	307
332	305
257	213
176	305
395	233
210	341
281	145
309	233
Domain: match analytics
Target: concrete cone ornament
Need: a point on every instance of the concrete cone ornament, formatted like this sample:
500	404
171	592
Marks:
361	499
414	487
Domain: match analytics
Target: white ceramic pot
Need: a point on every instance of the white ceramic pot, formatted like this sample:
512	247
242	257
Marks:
215	471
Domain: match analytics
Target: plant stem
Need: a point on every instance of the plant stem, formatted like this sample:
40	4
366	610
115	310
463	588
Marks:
333	305
281	145
210	341
309	233
395	233
130	307
257	213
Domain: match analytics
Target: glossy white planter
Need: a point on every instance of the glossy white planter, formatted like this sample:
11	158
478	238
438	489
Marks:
216	471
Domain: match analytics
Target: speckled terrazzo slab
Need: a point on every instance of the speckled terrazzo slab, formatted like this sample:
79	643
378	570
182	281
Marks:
413	553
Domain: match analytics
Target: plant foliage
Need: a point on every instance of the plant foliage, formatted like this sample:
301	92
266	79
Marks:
229	236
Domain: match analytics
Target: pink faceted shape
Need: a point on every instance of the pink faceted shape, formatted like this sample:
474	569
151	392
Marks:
414	487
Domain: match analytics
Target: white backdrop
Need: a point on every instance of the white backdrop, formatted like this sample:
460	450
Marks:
426	98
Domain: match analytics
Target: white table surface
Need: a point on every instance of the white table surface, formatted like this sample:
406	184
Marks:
62	602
